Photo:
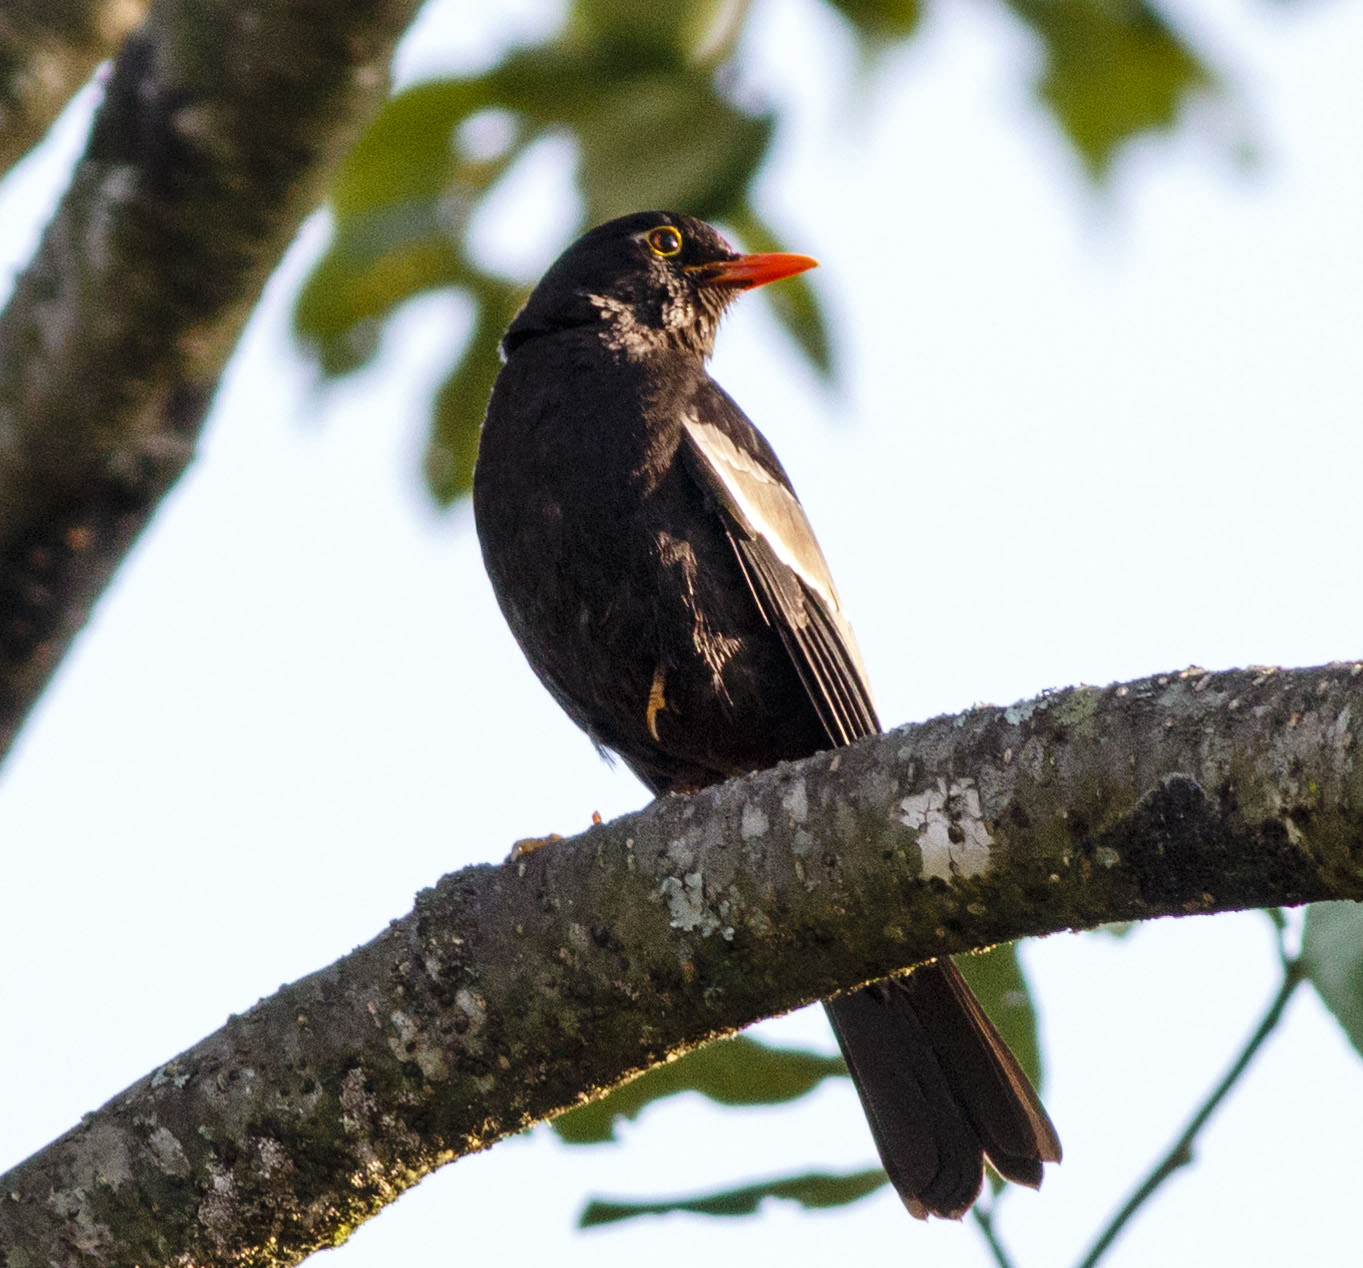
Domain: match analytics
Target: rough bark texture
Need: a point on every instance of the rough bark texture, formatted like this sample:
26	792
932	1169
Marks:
48	49
511	992
221	124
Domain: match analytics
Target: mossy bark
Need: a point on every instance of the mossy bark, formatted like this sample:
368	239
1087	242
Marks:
512	992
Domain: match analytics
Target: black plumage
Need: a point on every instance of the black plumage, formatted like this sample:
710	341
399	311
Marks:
659	573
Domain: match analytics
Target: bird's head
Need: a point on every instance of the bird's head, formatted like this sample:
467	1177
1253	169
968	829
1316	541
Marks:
656	281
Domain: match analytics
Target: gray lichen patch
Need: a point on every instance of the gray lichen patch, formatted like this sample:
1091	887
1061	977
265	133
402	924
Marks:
107	1158
685	898
1016	714
689	909
953	836
358	1105
167	1152
754	822
218	1209
410	1043
474	1006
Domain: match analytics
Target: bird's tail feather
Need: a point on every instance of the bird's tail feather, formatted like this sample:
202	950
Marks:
941	1089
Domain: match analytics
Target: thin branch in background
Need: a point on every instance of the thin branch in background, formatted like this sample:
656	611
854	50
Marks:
1181	1152
984	1221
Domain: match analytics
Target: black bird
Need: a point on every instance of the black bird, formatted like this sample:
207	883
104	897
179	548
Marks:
659	573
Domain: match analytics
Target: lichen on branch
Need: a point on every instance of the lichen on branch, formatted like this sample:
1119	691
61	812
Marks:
513	992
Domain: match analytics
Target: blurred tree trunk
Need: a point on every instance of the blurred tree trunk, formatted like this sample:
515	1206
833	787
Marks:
48	50
221	125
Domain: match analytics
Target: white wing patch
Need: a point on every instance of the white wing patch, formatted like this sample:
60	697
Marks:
764	508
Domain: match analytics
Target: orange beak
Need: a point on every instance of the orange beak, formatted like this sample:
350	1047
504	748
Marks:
746	271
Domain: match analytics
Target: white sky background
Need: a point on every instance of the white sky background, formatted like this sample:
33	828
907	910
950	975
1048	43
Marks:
1081	438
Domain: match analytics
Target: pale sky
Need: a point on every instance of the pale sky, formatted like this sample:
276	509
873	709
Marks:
1079	437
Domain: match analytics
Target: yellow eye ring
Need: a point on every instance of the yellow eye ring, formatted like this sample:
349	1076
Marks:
665	241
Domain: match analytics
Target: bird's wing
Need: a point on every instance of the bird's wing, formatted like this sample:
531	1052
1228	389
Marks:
782	562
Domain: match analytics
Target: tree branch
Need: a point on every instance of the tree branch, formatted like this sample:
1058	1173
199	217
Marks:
1180	1153
514	991
48	49
220	126
984	1221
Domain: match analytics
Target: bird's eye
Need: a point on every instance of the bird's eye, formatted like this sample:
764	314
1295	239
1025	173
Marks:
664	241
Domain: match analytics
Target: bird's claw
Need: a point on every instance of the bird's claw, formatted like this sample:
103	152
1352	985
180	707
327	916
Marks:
528	845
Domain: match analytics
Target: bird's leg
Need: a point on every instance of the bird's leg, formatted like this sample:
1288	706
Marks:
656	703
528	845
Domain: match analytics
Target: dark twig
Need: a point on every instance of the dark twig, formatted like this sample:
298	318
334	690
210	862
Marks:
984	1221
1181	1152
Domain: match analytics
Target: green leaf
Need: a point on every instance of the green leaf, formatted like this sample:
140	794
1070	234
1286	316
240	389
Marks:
1114	69
406	195
667	140
673	29
367	271
401	203
407	153
880	22
814	1191
553	83
1332	955
644	92
738	1071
